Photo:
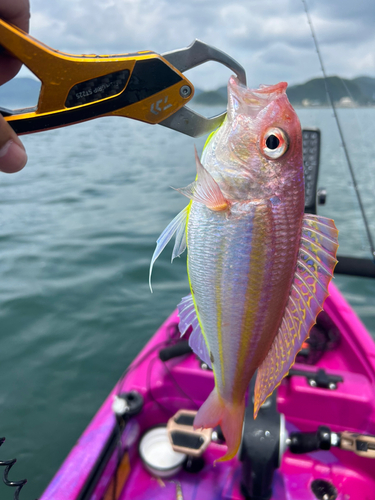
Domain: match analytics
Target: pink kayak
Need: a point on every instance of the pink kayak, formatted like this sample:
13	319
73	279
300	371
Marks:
314	439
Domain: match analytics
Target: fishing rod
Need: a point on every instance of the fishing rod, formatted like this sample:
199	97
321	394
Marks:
351	170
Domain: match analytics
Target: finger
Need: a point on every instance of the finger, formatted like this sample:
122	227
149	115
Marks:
9	67
13	156
16	12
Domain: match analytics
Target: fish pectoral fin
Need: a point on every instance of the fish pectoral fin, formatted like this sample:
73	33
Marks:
314	271
188	317
205	189
215	411
178	226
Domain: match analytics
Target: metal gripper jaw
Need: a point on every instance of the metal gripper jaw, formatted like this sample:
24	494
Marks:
185	120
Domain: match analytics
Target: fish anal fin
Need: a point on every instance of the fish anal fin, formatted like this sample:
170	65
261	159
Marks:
188	317
315	264
205	189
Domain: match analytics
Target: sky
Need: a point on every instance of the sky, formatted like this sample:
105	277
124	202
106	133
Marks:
270	38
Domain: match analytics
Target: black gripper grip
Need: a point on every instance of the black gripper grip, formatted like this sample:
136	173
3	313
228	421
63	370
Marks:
175	350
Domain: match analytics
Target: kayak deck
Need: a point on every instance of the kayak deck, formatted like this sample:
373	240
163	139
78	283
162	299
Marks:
88	473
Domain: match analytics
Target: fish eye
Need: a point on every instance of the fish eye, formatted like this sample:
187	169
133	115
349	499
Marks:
275	143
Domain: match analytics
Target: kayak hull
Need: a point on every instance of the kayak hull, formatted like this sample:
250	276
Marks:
88	471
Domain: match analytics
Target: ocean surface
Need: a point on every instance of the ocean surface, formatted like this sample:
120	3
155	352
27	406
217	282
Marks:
77	230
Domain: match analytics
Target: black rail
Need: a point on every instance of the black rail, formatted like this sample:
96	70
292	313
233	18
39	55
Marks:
354	266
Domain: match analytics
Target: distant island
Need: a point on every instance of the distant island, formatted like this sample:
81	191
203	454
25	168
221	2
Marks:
360	91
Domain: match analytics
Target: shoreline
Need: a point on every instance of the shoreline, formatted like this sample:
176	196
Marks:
295	106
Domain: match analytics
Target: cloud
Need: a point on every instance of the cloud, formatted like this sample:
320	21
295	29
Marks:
271	39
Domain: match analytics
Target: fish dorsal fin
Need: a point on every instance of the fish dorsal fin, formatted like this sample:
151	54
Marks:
315	264
188	317
178	226
205	189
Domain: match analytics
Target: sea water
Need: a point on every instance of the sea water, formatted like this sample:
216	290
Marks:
77	231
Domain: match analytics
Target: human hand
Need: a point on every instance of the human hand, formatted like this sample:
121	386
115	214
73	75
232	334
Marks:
12	153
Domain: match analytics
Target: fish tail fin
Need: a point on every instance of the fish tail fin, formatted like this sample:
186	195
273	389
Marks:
215	411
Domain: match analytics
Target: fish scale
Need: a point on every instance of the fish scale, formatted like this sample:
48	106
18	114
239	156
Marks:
208	271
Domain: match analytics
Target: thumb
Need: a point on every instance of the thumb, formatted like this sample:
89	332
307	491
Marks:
12	153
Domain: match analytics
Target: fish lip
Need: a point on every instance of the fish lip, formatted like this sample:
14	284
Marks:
278	88
262	91
249	102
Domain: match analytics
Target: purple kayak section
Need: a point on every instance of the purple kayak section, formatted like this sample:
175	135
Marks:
181	383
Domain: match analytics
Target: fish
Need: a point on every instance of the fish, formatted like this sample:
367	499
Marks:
258	266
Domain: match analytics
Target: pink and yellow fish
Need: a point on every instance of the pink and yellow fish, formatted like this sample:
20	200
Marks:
258	267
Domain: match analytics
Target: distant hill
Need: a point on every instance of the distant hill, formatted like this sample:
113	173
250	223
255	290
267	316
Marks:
367	86
19	93
360	91
357	92
211	97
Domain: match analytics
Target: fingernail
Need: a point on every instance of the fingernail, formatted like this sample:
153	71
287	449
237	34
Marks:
12	157
4	149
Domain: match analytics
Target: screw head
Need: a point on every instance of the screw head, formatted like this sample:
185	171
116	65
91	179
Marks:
332	386
185	91
312	382
119	406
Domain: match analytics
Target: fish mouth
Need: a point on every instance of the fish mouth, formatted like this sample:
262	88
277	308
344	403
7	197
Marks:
253	100
262	91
